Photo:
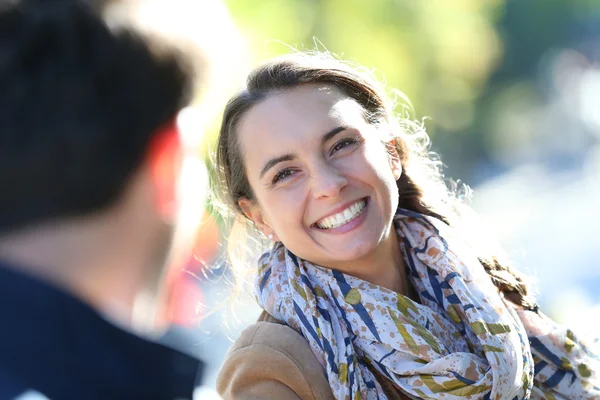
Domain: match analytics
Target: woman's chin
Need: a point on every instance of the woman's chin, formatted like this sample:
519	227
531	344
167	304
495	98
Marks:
348	253
363	243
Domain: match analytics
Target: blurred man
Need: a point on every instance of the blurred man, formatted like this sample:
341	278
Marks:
88	161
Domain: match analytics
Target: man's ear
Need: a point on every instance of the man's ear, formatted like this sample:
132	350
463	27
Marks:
394	157
164	156
255	214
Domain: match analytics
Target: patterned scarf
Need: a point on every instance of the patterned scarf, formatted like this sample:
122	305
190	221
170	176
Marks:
463	340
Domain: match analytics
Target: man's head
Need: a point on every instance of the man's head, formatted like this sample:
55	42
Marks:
87	136
79	107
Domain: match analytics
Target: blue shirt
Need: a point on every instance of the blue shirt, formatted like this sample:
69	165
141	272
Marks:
56	345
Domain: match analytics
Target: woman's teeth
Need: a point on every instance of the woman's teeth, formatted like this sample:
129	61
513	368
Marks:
343	217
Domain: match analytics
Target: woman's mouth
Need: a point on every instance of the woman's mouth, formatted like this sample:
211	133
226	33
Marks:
343	217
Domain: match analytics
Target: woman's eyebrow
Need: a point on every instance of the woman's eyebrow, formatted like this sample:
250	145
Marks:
331	134
274	161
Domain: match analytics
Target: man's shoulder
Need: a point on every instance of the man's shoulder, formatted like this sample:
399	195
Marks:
13	387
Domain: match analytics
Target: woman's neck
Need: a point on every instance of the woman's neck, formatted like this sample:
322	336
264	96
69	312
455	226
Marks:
384	267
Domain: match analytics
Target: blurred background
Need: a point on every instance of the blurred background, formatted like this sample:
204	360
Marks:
511	95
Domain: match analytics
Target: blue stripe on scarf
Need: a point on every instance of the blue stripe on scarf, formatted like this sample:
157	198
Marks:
265	278
351	368
539	366
428	296
573	377
424	248
324	313
316	323
462	378
330	355
307	324
452	275
411	263
435	285
426	245
383	369
453	299
539	346
387	355
371	384
445	243
339	307
556	378
409	213
306	281
446	283
348	340
364	314
359	307
294	258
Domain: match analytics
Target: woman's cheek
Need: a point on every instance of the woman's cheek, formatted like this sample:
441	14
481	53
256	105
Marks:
285	201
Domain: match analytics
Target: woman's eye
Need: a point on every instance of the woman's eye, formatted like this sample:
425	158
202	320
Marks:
342	144
283	174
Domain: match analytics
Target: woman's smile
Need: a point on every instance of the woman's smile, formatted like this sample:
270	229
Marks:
349	218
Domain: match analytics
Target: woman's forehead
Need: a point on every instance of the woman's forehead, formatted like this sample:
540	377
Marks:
294	121
302	109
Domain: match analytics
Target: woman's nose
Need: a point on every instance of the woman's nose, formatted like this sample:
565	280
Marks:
327	181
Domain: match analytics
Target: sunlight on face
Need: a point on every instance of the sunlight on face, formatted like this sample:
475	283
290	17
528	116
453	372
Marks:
321	175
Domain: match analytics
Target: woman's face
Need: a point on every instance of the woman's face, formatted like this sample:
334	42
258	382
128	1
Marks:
324	183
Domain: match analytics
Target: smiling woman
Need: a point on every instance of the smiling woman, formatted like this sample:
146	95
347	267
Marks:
321	161
373	288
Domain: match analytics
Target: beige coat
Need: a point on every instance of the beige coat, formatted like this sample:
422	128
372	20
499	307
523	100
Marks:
272	361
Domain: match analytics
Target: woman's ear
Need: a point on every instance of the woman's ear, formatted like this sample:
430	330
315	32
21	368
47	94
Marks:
255	214
395	162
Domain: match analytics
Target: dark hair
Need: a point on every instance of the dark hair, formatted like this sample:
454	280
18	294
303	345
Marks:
421	187
79	104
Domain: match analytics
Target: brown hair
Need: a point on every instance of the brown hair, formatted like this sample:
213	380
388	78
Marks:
421	186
